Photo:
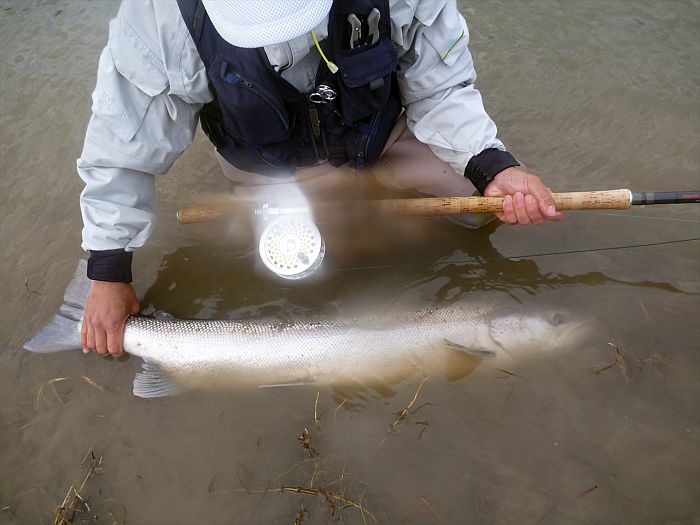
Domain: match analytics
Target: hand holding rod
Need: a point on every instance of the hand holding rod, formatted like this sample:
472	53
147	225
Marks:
434	206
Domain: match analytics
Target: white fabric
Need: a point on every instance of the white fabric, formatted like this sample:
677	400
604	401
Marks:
259	23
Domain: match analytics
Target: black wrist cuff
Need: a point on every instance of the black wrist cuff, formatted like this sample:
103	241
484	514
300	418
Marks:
110	265
482	168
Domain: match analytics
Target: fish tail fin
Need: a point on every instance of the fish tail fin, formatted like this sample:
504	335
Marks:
63	331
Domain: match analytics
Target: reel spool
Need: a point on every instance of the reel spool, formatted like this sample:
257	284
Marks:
292	247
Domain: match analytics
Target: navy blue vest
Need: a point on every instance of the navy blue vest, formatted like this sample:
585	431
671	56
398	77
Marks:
260	123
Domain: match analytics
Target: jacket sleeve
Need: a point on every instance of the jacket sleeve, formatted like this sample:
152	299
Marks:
150	87
436	79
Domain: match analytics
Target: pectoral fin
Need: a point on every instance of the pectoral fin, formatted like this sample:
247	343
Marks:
476	352
153	381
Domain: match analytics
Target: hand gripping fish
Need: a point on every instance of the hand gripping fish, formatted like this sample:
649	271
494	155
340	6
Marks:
179	354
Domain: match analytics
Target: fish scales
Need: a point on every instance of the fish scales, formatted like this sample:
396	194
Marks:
387	346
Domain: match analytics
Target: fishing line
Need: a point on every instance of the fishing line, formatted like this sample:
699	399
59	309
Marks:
627	216
527	256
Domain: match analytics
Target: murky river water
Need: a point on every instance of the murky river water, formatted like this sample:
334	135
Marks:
590	95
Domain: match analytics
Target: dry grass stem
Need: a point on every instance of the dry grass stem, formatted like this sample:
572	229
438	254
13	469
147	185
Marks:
644	310
587	491
65	512
52	383
404	414
330	497
293	467
94	384
306	441
316	411
432	511
299	517
656	361
28	289
620	363
342	403
627	364
507	374
322	477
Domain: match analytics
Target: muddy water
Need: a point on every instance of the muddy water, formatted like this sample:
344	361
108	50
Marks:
601	95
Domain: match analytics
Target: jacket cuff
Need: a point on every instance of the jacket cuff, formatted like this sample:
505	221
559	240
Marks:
110	265
482	168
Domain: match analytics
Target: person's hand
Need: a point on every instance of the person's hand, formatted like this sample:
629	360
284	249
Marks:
106	310
526	199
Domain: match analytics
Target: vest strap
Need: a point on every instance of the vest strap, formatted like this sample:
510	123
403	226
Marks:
197	19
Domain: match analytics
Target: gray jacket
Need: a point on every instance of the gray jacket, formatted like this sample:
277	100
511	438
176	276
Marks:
151	84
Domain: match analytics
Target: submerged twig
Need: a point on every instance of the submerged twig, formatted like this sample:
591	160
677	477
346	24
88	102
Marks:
587	491
51	383
328	496
299	517
644	310
620	363
507	373
404	414
28	289
65	512
94	384
342	403
625	364
323	478
305	439
425	502
316	411
656	361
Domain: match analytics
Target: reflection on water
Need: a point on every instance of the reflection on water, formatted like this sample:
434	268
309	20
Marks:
593	96
451	271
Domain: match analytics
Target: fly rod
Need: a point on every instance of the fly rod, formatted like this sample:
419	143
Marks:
435	206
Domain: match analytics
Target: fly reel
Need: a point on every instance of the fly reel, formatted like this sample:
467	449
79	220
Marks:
291	246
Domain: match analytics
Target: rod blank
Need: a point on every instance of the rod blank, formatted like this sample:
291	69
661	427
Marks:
665	197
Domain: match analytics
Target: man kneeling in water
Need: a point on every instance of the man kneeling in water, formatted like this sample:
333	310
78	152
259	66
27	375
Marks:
286	90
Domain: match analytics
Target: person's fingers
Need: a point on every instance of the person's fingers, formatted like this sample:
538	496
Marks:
133	310
508	211
91	337
519	208
543	196
83	336
100	341
533	210
115	335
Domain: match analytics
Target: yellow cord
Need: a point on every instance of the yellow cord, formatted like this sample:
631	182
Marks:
331	65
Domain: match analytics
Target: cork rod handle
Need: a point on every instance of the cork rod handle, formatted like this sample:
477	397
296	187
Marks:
432	206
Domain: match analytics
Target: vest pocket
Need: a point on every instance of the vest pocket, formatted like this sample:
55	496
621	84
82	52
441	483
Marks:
254	115
365	79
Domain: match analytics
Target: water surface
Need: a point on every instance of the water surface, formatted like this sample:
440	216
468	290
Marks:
590	95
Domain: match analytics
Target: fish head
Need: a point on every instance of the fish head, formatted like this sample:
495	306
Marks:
539	331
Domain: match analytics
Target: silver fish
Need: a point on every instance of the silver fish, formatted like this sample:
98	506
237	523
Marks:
181	354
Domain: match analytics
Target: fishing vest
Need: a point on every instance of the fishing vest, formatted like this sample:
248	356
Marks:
261	123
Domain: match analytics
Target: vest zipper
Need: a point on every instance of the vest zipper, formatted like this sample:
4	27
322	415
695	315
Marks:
315	124
362	154
234	78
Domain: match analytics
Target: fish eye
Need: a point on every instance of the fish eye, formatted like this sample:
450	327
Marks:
557	319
